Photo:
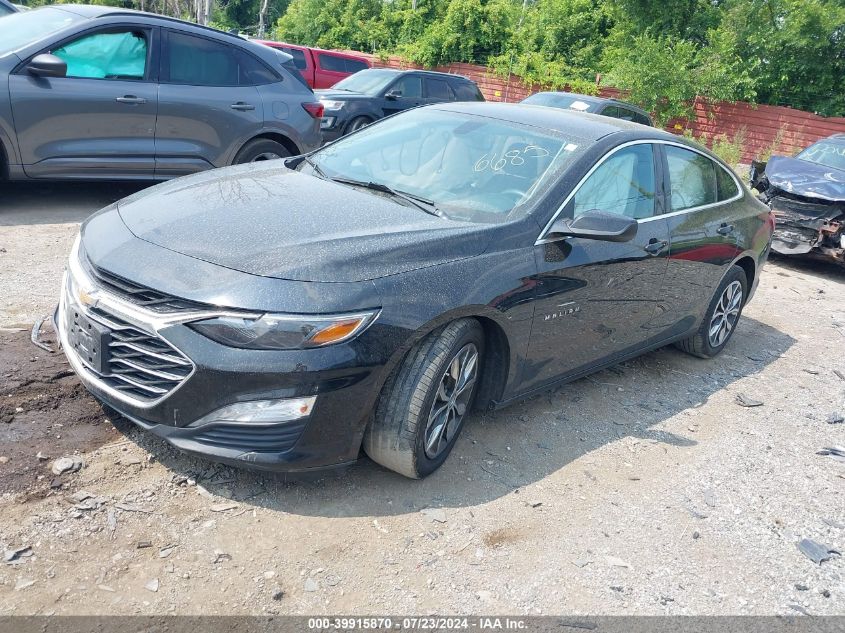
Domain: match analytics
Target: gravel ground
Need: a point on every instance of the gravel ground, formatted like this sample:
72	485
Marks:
644	489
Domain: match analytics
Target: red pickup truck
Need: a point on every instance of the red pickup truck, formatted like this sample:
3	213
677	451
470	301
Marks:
321	68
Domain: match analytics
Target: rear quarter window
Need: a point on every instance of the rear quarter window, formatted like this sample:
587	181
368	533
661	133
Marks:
466	91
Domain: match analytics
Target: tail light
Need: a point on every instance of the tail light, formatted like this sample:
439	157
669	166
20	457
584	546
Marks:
314	109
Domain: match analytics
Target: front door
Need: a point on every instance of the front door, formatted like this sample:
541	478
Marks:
595	299
99	120
405	93
206	106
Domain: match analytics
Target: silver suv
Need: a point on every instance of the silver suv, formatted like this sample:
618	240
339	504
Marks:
101	93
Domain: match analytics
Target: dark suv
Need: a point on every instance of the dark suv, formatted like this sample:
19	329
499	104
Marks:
370	95
97	92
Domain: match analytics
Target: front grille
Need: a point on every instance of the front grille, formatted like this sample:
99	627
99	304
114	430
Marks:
141	295
138	363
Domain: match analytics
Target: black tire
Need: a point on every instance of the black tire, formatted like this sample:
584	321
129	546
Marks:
357	123
396	437
701	343
260	149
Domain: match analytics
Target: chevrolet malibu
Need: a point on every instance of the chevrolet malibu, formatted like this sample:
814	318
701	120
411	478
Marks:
283	316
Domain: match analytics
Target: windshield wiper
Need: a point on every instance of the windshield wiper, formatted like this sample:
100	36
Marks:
317	169
419	202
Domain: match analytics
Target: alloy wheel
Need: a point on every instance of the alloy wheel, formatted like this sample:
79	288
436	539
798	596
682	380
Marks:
726	314
451	401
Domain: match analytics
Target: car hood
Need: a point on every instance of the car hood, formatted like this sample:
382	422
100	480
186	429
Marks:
275	222
803	178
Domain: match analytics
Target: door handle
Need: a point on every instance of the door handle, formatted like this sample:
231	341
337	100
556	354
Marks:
725	229
131	99
654	246
242	107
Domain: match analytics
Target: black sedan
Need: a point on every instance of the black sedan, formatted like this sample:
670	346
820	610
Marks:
281	316
370	95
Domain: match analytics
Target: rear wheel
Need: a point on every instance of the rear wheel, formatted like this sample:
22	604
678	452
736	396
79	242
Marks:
721	318
261	149
422	408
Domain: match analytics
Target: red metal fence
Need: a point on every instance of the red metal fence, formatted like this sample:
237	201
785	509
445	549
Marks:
765	129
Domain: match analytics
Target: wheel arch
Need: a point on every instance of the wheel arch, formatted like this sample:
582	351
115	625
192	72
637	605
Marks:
749	266
498	360
278	137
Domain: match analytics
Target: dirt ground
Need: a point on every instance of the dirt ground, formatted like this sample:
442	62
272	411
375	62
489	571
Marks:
644	489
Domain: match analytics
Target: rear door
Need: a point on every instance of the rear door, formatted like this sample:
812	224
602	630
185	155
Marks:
437	90
703	203
99	120
330	69
205	109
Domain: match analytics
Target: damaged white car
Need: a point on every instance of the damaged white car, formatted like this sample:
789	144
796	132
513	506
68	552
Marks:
807	195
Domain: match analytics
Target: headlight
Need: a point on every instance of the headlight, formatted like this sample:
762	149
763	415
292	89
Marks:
328	104
284	331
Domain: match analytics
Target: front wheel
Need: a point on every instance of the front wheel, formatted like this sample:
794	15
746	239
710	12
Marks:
721	317
424	403
357	123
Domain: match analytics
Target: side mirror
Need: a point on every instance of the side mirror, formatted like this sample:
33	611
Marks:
46	65
393	95
596	225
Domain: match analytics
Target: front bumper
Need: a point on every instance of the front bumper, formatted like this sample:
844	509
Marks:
329	436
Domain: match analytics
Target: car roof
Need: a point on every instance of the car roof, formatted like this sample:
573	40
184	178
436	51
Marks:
273	43
593	99
589	126
93	11
420	71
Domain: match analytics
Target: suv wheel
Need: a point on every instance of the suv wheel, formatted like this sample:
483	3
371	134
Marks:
721	317
422	408
357	123
261	149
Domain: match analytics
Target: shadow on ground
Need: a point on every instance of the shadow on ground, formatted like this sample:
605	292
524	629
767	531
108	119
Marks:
500	452
27	203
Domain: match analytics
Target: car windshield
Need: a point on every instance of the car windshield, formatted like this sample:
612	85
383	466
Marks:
830	153
470	168
556	100
19	29
368	82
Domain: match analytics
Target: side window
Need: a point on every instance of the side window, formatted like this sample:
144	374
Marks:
465	91
625	114
611	111
196	61
409	86
331	63
692	177
725	184
623	184
253	72
438	89
641	118
114	55
353	65
298	57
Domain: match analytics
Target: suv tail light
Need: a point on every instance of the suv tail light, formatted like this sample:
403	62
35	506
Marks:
314	109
